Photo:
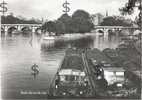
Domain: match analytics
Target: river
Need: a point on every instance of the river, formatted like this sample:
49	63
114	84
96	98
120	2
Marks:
18	53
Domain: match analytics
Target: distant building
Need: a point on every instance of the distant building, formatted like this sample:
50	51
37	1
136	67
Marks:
97	18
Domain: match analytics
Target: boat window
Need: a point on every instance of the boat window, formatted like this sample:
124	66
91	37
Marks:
72	78
69	78
62	78
76	78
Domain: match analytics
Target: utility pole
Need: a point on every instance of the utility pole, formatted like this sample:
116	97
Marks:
0	26
140	17
3	9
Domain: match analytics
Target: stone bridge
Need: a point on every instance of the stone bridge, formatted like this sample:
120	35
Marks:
33	27
105	29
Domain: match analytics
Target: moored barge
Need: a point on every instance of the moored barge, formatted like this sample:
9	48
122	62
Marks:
71	80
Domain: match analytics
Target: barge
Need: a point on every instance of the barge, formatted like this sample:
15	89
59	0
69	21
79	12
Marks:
71	80
90	74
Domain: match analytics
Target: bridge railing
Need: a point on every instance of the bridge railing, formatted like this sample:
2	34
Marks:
21	24
114	27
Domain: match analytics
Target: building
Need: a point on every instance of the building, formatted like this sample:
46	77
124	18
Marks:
97	18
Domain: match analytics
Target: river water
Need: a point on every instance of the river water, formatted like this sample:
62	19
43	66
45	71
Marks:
19	53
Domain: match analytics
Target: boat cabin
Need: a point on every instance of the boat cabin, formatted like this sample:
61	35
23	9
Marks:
71	82
114	75
71	75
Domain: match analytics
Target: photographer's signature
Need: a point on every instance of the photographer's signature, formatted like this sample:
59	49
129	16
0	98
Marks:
29	92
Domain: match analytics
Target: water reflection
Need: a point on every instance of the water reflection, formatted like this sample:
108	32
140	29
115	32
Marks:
99	42
60	44
19	53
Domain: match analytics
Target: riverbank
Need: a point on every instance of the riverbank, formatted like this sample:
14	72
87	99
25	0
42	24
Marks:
138	47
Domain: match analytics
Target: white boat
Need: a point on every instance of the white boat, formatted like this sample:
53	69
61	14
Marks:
49	38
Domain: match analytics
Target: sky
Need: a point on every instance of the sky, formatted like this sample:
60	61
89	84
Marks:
52	9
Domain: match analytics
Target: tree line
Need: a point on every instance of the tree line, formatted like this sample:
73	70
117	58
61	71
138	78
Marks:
116	21
10	19
79	22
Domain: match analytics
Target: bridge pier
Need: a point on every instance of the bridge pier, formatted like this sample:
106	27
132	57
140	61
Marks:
5	31
105	32
18	28
34	29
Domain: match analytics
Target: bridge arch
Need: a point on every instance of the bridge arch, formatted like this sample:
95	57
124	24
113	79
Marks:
110	32
2	29
25	28
38	30
11	29
100	30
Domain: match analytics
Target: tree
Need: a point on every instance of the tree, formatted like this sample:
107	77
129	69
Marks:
81	14
81	21
66	20
60	27
49	26
129	9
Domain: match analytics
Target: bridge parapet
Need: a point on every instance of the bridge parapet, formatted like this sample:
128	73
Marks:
21	24
114	27
106	29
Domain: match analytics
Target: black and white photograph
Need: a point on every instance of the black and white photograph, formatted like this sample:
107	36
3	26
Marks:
70	49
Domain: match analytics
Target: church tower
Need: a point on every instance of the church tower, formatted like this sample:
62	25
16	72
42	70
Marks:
106	13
